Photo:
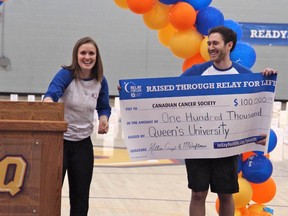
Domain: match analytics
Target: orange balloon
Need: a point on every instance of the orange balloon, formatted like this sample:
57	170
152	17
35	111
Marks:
121	3
193	28
182	16
263	192
157	17
246	155
185	44
140	6
237	213
196	59
217	205
165	34
244	196
204	49
243	211
263	213
255	208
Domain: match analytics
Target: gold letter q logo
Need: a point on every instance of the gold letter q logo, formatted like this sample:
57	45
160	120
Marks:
13	187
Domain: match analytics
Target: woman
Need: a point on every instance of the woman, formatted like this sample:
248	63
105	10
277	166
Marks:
82	87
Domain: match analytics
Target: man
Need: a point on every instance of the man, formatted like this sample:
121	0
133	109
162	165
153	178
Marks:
221	174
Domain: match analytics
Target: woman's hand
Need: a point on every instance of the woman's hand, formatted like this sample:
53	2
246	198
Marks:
103	125
47	99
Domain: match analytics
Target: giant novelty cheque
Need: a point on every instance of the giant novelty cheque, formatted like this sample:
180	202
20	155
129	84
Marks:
196	116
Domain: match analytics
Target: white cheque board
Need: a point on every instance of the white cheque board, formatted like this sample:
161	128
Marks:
196	116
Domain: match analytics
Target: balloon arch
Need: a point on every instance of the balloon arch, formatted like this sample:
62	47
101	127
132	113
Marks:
182	27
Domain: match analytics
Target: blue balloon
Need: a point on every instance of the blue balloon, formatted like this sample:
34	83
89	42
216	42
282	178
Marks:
198	4
235	26
243	54
272	141
208	18
167	2
257	169
1	2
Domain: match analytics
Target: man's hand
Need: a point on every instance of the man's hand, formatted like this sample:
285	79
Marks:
262	141
268	71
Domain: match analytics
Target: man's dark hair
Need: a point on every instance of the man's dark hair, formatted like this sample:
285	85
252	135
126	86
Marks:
226	33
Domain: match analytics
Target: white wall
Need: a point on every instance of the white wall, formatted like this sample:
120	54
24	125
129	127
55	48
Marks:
38	37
